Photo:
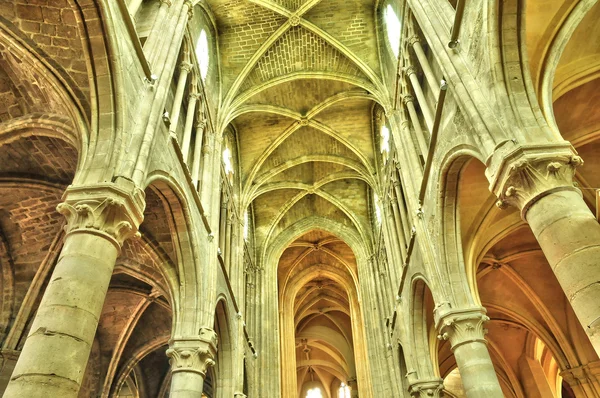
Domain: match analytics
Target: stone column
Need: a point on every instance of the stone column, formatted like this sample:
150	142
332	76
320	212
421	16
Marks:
55	355
434	84
189	124
464	329
431	388
190	358
414	118
184	70
197	152
411	72
538	180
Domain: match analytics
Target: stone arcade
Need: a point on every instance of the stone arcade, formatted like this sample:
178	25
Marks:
299	198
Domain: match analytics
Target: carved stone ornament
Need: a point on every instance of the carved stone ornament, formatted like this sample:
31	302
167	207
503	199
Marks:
529	173
463	327
104	209
193	354
427	388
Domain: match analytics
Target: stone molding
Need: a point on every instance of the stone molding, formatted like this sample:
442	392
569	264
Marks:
193	354
462	326
426	388
528	173
589	373
108	210
8	355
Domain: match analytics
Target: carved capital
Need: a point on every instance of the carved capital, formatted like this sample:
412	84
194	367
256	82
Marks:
462	326
412	40
410	70
193	354
108	210
426	388
190	8
579	375
185	67
407	99
528	173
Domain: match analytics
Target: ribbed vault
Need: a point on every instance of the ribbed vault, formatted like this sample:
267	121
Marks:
318	298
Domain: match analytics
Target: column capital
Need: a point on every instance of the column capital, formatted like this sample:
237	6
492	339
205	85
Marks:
112	210
462	326
411	40
521	176
186	66
410	70
407	99
426	388
193	353
190	10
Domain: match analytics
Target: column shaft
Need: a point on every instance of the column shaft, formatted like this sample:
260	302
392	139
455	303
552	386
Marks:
189	124
414	80
186	385
434	85
569	236
464	329
197	153
55	355
177	101
414	118
477	371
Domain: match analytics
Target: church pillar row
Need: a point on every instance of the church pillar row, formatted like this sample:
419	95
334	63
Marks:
53	360
464	329
190	359
539	181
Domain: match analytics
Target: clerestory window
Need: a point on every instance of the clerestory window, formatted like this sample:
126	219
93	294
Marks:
344	391
314	393
385	142
393	28
202	54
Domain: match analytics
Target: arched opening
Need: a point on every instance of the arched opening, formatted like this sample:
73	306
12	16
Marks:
318	301
222	385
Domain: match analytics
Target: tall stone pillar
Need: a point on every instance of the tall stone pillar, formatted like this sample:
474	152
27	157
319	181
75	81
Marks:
432	388
464	329
538	180
190	359
53	360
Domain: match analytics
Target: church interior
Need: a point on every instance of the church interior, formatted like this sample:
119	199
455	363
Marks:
299	198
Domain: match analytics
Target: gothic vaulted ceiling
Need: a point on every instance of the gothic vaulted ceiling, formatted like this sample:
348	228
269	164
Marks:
300	80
